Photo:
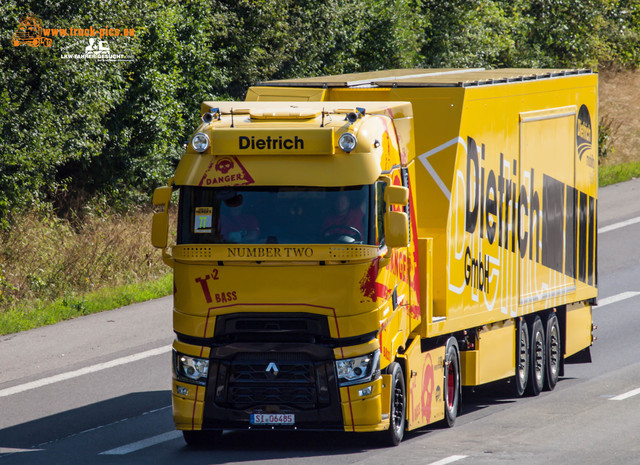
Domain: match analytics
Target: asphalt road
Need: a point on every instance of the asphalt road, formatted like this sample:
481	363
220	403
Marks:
97	390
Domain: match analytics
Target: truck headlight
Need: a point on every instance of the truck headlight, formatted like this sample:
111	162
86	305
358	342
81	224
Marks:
358	369
200	142
190	369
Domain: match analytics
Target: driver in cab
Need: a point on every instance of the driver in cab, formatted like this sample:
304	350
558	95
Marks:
236	225
345	220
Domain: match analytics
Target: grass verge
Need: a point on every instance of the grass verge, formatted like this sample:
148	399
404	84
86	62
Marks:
612	174
33	314
53	269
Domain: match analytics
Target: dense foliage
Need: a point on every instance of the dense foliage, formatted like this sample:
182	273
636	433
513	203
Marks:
78	133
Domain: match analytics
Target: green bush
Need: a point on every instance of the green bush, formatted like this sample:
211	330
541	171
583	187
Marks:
76	130
80	134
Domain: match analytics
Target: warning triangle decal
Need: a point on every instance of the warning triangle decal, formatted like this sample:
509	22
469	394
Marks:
226	171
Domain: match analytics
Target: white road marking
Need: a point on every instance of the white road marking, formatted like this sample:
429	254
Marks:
622	224
453	458
44	445
11	450
83	371
626	395
135	446
616	298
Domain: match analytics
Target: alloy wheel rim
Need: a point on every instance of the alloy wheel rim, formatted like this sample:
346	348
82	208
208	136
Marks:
539	362
554	361
522	359
398	406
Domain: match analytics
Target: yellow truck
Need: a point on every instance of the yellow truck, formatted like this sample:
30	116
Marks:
352	250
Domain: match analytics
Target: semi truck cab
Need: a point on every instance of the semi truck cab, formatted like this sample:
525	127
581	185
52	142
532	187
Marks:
291	266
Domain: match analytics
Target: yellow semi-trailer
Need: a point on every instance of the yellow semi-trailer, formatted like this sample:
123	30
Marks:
352	250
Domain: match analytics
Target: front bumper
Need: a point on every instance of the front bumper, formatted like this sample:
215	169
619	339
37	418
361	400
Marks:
243	380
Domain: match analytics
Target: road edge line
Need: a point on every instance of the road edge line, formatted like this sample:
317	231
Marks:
83	371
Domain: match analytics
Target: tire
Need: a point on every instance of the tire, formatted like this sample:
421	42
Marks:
553	352
452	391
522	357
201	438
397	411
537	357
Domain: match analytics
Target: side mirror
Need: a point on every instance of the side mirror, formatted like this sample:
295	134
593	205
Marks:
396	195
396	229
160	230
396	224
160	225
162	196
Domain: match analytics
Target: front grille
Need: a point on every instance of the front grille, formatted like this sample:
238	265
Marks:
286	368
284	379
299	397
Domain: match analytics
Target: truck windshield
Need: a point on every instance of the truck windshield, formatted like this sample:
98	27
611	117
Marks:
276	215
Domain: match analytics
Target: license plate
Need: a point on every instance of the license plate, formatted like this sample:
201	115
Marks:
272	419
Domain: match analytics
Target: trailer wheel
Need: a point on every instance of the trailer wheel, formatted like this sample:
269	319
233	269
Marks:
201	437
393	436
452	391
537	357
553	352
522	357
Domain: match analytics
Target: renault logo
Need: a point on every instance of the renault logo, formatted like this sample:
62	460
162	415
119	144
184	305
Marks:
272	368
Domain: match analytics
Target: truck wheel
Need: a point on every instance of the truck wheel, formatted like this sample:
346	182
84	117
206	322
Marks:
537	357
522	357
553	352
201	438
451	382
393	436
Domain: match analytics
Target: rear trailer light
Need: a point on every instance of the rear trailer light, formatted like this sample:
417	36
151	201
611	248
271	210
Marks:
189	369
